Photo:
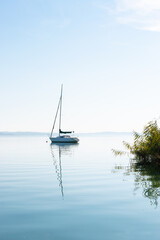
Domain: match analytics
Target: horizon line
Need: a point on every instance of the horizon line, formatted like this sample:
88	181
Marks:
47	133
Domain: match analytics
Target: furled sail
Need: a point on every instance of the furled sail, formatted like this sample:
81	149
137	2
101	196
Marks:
65	132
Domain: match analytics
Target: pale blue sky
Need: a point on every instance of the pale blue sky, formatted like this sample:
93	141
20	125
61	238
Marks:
106	54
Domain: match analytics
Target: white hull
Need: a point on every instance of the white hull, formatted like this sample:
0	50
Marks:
64	139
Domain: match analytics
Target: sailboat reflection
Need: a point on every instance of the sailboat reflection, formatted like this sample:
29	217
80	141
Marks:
58	150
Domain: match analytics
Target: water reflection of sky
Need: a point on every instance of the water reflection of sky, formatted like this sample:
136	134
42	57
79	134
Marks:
71	192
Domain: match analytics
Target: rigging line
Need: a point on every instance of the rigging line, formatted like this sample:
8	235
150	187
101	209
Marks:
55	118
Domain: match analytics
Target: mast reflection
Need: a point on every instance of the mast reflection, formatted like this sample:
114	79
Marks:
58	150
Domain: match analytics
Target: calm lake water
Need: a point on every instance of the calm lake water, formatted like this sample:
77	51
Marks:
74	192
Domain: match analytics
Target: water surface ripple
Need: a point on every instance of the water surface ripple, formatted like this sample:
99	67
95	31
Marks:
73	192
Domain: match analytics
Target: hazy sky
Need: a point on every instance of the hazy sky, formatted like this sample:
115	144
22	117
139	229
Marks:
105	52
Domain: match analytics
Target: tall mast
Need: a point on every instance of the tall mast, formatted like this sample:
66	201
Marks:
60	109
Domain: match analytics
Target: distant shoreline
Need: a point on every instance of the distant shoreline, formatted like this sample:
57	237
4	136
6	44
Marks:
5	133
23	134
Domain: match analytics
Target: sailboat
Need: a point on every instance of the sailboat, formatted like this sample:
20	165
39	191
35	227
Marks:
63	136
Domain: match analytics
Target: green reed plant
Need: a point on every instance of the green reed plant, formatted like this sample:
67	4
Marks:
146	146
